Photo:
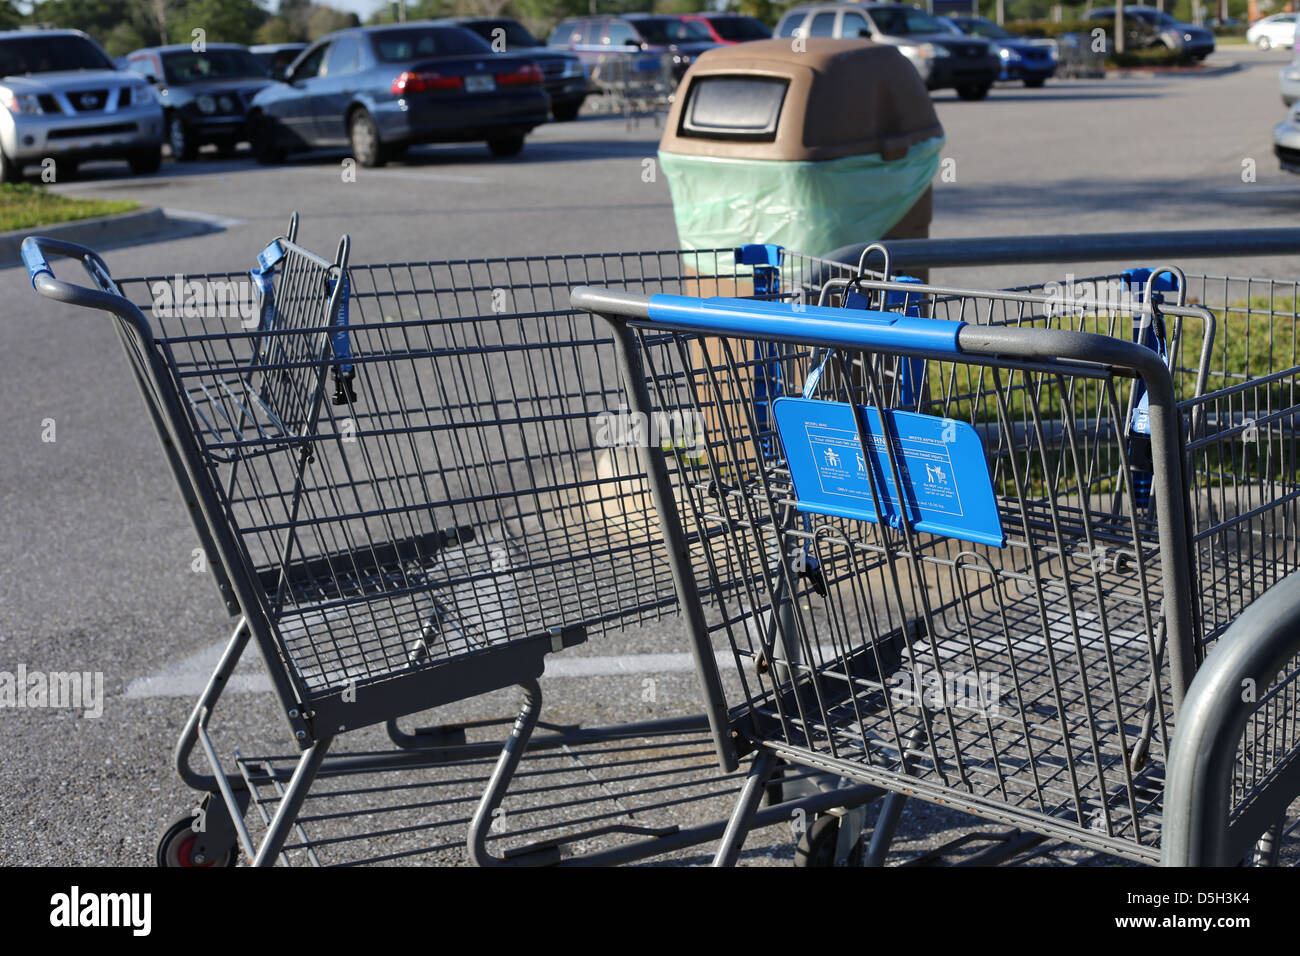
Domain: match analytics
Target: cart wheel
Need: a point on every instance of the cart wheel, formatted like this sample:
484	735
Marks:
176	848
816	848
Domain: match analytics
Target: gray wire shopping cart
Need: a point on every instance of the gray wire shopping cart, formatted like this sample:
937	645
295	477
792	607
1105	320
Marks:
997	535
398	475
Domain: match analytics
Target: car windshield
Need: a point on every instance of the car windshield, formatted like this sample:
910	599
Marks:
900	21
397	46
514	33
664	30
50	54
985	28
740	28
186	67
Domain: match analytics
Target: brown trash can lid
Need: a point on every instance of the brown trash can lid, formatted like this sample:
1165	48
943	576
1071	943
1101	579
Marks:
843	98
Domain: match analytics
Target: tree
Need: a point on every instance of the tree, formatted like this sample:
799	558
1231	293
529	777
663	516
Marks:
325	20
222	21
277	30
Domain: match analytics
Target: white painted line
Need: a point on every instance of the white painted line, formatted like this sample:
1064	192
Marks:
225	222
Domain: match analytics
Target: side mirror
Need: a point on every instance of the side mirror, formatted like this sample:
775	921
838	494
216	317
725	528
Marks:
150	78
864	32
631	42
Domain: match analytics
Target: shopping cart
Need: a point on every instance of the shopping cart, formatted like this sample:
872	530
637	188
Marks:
998	534
634	84
399	477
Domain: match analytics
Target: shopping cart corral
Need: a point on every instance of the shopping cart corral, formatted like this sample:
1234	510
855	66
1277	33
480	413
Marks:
399	477
999	536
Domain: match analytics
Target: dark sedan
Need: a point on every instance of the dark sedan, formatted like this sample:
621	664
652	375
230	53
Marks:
379	90
205	95
1032	61
563	73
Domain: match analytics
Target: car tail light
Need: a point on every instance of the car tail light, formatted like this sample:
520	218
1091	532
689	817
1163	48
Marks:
409	82
526	75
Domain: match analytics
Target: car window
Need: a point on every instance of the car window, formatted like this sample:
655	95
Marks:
188	67
589	33
344	56
142	65
49	54
900	21
740	28
619	33
397	46
789	23
665	30
512	33
310	65
854	24
563	34
823	25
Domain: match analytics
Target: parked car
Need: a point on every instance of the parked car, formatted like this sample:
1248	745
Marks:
944	59
1289	78
1275	31
276	56
63	100
204	96
728	28
1286	141
1032	61
563	74
1146	28
594	37
379	90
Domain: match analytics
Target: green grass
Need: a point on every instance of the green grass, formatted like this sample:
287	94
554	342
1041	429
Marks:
25	206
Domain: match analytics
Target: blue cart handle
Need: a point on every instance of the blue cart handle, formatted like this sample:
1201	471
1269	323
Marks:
35	250
785	321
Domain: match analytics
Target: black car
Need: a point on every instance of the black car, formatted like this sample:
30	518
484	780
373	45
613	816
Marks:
382	89
205	95
565	77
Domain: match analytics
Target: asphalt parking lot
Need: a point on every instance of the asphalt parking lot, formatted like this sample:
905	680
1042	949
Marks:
96	553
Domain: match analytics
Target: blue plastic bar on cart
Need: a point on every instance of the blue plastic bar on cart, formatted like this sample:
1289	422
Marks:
808	324
34	260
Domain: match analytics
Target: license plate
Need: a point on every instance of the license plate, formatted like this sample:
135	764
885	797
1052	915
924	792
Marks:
480	84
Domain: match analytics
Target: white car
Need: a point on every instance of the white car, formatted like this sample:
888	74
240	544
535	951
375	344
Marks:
1288	80
1286	141
1275	31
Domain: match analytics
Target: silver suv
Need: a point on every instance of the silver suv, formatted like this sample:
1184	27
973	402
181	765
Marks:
62	99
942	56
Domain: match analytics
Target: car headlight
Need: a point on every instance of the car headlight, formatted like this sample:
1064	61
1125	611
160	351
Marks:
936	51
206	104
1008	54
20	103
143	95
1187	37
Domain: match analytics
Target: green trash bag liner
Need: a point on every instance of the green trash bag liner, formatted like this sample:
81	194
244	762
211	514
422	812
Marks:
808	207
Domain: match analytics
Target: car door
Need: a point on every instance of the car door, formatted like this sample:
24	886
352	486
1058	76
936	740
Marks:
296	112
823	24
333	89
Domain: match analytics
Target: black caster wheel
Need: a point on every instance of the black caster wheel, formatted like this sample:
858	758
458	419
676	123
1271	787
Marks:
180	846
816	848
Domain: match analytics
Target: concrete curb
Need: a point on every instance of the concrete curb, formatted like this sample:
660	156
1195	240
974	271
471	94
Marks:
99	232
1158	72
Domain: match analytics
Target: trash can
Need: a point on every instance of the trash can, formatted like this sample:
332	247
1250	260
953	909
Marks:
811	144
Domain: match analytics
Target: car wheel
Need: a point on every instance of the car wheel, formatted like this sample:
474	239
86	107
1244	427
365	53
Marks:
972	92
1264	43
367	148
10	172
261	136
146	161
1036	82
184	148
567	112
507	145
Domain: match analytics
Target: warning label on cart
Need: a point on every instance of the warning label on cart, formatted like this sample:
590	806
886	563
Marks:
840	463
